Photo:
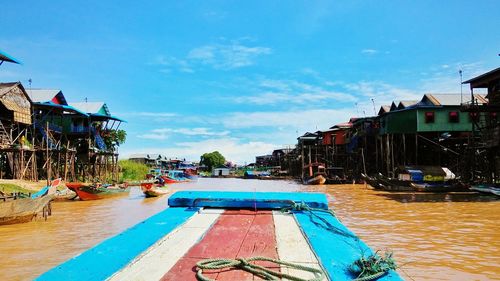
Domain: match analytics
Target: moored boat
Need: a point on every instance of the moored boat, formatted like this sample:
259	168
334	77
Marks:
24	209
319	179
315	174
417	179
94	192
240	234
153	190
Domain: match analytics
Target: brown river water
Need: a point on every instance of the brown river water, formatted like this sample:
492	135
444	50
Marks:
433	236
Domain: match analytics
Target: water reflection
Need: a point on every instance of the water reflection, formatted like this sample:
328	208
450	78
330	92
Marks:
443	237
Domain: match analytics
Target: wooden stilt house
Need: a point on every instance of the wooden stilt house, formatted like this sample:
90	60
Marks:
485	149
56	149
97	157
17	154
431	132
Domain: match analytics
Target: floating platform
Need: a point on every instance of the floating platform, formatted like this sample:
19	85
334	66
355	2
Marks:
229	225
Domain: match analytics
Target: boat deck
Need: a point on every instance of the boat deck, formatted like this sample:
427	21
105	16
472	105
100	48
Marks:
168	245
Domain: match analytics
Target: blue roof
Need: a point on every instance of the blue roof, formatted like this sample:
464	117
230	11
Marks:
6	57
107	117
60	106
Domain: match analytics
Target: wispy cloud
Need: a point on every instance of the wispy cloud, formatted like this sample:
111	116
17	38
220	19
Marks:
234	149
290	120
220	56
369	51
164	133
155	114
290	91
230	56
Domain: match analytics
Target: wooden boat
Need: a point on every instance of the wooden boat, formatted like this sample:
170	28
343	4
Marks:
486	189
318	179
92	192
153	190
175	176
278	231
24	209
315	174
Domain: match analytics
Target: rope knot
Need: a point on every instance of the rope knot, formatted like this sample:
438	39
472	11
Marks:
243	262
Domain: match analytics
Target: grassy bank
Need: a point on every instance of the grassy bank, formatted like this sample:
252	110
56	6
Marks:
132	171
8	188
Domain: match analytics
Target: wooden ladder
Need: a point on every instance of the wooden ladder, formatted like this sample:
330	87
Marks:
5	138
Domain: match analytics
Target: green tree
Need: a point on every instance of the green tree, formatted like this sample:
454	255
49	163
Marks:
114	138
212	160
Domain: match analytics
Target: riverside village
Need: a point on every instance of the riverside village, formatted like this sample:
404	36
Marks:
277	155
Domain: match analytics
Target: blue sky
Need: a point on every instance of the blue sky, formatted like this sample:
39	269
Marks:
247	77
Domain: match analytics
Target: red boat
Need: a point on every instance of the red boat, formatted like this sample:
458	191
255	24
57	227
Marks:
91	192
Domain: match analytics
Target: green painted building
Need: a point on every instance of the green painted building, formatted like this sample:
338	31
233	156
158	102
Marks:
434	113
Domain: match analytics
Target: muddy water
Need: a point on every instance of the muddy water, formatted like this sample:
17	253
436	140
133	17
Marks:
433	236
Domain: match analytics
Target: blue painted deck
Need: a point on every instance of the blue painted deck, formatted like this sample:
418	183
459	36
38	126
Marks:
258	200
103	260
335	251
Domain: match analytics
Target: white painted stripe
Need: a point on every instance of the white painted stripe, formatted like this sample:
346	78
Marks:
153	263
292	245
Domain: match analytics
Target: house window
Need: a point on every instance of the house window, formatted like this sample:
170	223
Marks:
493	116
453	117
429	117
474	116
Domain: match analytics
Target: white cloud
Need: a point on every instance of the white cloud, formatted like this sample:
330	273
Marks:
155	114
300	120
219	56
369	51
228	56
164	133
289	91
233	149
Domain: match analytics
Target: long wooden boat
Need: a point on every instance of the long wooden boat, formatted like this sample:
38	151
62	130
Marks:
391	184
153	190
22	210
89	192
239	233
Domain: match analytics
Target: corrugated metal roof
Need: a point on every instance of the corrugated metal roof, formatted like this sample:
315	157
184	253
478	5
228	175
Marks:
42	95
91	107
485	76
405	103
449	99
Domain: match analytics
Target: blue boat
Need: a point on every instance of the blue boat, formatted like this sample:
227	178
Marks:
211	235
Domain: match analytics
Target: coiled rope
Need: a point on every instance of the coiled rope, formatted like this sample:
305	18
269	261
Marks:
261	271
366	269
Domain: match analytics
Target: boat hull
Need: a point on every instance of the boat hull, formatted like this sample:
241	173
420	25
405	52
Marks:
150	190
317	180
22	210
86	192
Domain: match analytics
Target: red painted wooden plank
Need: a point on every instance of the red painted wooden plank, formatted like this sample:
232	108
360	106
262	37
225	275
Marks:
237	233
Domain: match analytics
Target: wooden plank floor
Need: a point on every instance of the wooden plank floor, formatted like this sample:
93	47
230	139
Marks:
159	258
235	234
293	246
